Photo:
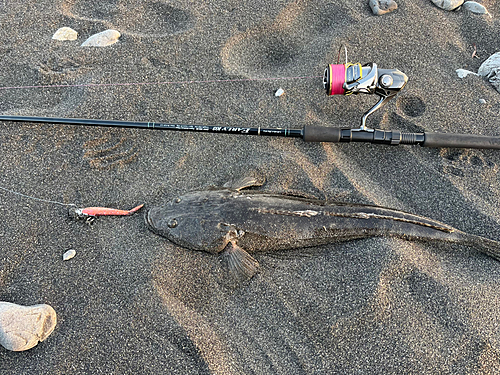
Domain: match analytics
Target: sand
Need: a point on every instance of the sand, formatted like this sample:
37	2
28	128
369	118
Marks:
132	302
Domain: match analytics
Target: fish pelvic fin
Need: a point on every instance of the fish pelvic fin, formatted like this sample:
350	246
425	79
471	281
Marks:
241	265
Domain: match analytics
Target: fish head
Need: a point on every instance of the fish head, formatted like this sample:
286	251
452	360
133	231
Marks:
193	220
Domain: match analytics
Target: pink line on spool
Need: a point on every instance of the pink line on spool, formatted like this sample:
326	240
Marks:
337	79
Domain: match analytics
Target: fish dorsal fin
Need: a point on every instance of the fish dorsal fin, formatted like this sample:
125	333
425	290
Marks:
245	182
240	264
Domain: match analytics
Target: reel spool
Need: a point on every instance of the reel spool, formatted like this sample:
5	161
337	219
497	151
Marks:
354	78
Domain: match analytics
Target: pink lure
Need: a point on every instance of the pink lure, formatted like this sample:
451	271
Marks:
103	211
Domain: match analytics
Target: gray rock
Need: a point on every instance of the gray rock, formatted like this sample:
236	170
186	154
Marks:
380	7
22	327
448	4
474	7
490	69
102	39
65	33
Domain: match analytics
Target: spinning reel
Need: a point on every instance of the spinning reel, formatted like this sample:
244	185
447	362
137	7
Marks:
349	78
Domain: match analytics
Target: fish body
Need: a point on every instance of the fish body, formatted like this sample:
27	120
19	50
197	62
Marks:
238	223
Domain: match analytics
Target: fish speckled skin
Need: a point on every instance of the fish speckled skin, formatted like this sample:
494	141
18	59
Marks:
254	221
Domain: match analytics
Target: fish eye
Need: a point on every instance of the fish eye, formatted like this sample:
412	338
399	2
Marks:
172	223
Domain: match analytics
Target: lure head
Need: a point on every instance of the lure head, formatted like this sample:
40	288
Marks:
347	79
78	214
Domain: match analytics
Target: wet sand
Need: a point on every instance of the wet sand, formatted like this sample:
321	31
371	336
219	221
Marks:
131	302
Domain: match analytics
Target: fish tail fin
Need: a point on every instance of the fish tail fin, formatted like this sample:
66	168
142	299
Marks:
135	209
240	264
484	245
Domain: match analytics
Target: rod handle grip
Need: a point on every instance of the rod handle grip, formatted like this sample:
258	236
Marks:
313	133
460	141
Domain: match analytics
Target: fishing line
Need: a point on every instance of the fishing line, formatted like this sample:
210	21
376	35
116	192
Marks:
157	83
134	84
36	199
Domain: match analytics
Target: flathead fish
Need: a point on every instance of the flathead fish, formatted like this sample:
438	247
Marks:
235	223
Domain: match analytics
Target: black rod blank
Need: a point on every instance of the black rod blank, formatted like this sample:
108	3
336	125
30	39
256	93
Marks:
159	126
309	133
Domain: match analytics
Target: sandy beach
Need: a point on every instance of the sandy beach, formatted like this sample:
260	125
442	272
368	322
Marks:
132	302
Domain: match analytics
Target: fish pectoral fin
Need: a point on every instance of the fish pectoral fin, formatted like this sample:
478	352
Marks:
240	264
246	182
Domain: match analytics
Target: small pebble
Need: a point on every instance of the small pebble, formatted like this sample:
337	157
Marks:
448	4
102	39
279	92
380	7
462	73
474	7
69	254
482	101
22	327
65	33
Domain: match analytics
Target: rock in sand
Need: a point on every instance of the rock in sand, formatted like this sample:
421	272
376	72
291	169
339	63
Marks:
380	7
448	4
102	39
474	7
69	254
22	327
279	92
65	33
490	69
462	73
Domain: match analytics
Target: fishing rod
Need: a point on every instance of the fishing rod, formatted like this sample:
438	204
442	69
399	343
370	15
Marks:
339	79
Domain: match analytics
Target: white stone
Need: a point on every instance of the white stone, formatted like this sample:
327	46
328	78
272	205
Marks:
380	7
69	254
482	101
490	69
279	92
474	7
22	327
65	33
102	39
448	4
462	73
